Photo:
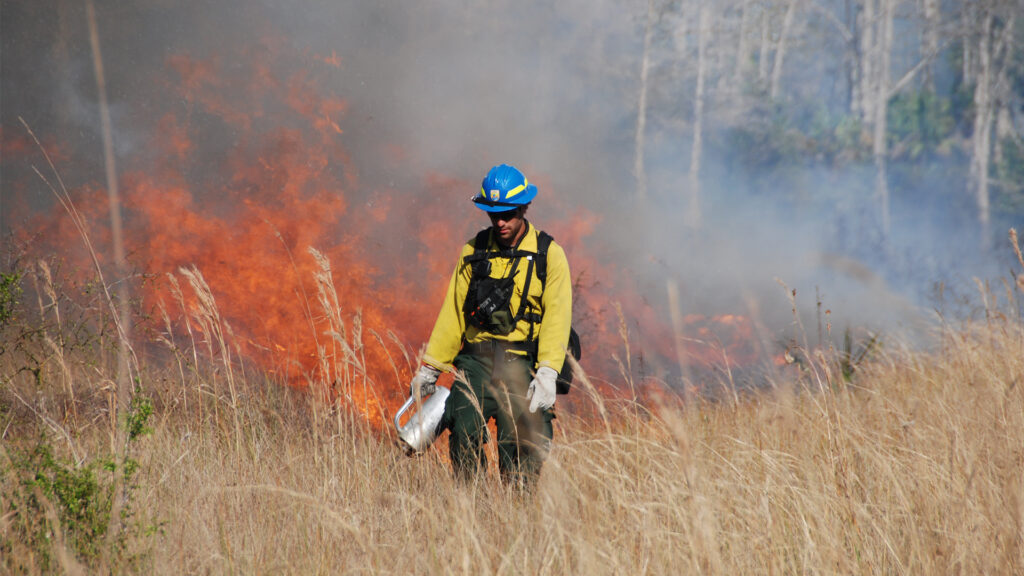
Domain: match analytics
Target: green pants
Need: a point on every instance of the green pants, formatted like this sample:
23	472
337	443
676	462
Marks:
496	389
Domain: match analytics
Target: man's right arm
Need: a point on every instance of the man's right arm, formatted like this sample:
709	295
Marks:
446	338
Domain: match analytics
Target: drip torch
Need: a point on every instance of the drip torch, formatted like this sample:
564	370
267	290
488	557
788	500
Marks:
424	426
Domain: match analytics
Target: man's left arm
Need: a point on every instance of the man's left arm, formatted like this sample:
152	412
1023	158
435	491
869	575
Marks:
556	301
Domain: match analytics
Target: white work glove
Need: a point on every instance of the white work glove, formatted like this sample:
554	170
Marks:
541	393
424	382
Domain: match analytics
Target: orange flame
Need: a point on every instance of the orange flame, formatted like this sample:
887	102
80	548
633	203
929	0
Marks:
245	212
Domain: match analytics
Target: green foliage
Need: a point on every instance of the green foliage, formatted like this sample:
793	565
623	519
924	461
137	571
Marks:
920	124
73	494
1010	177
139	413
839	139
849	135
10	296
797	136
962	96
53	502
768	143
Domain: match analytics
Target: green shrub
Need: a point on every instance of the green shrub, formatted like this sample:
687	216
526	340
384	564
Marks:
53	502
80	501
1010	179
10	296
919	124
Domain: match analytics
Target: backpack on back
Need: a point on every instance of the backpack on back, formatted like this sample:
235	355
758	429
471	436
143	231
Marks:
564	382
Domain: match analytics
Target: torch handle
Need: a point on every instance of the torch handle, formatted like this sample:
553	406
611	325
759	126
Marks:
405	407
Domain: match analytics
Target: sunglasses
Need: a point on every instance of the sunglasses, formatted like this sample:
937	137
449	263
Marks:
506	215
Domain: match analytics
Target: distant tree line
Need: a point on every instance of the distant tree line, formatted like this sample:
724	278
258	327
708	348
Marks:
896	86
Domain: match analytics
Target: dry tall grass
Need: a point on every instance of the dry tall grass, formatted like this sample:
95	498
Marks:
916	466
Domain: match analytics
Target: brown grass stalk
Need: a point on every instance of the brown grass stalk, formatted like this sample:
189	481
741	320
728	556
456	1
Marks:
912	465
912	470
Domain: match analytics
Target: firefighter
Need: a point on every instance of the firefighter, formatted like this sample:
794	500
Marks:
503	326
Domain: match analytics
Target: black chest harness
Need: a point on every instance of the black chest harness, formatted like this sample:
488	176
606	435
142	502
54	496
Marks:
488	304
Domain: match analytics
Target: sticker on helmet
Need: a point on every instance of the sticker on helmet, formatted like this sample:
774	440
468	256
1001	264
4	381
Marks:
495	195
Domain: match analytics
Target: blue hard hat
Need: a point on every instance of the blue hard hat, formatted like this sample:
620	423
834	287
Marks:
504	188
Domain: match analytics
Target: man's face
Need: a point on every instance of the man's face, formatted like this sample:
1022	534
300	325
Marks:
508	225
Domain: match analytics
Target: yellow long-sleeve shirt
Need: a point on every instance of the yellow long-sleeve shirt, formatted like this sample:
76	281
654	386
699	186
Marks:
552	300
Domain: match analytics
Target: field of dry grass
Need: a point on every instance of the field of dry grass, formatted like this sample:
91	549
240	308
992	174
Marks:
915	465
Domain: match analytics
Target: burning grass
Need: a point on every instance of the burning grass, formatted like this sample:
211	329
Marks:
912	466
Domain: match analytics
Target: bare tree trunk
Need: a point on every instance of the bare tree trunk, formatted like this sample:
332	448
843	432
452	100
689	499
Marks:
1004	94
880	146
743	47
123	322
762	54
780	49
852	58
991	88
866	29
967	24
930	41
62	58
703	34
982	136
639	170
